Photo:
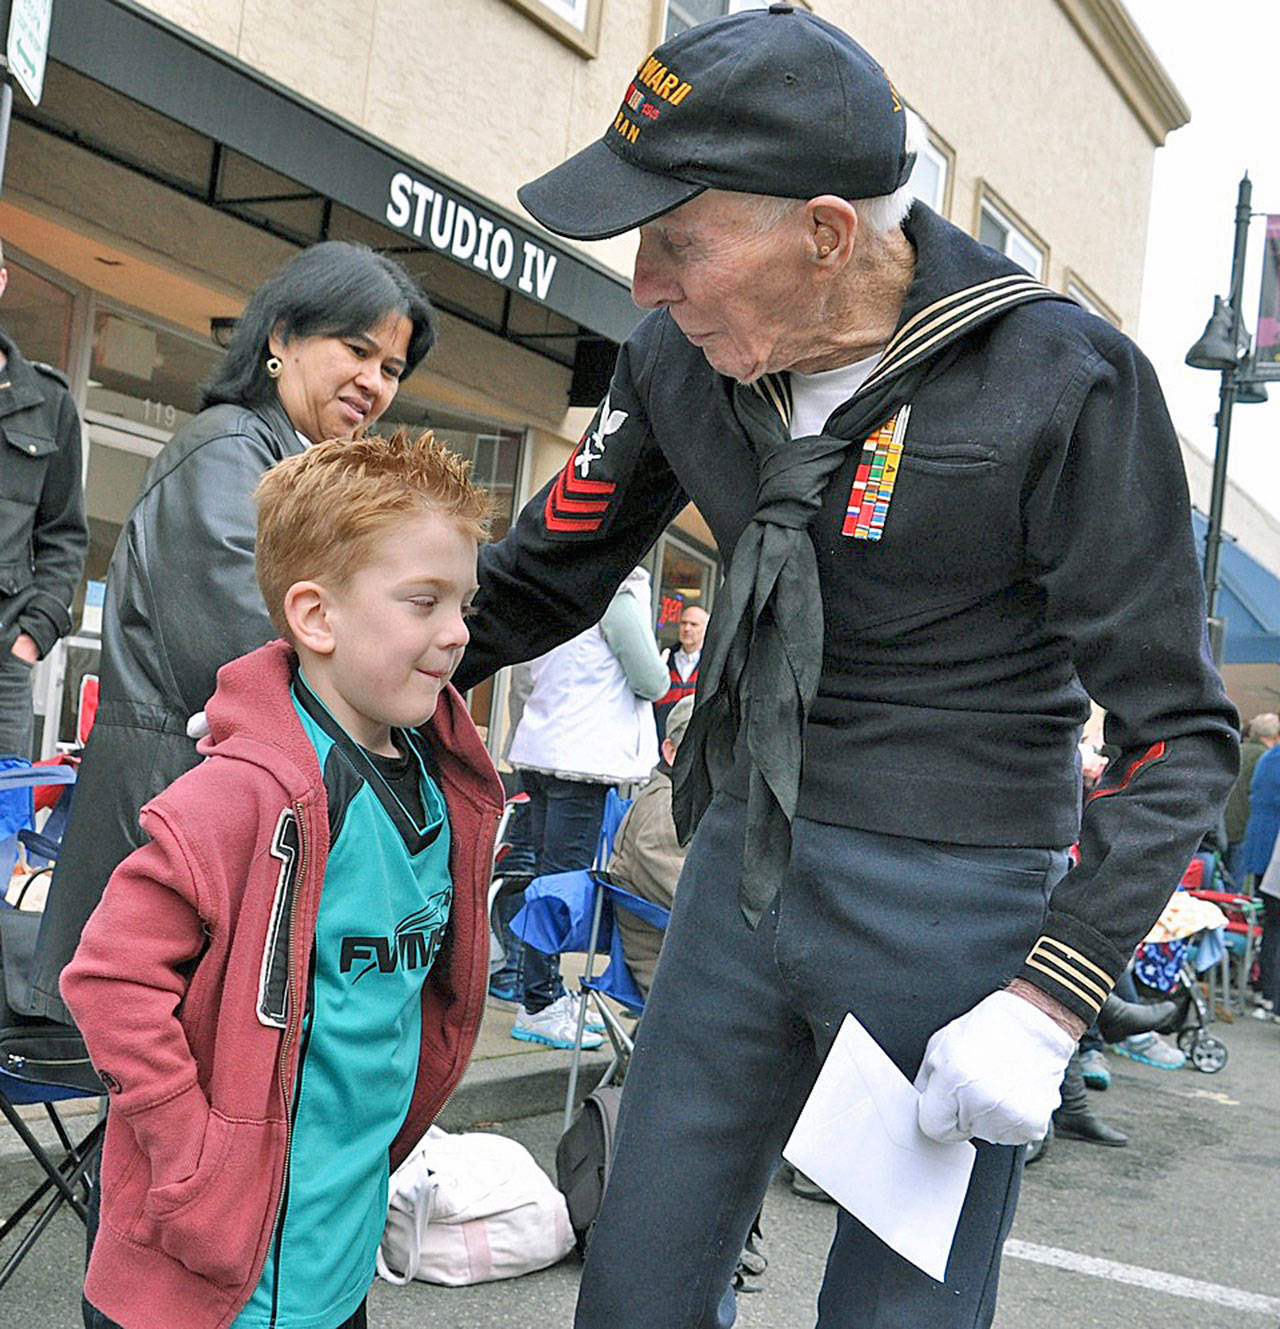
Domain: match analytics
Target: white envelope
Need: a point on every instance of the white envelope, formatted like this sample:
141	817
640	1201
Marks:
858	1138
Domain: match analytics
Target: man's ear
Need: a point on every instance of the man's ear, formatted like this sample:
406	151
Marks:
833	225
306	611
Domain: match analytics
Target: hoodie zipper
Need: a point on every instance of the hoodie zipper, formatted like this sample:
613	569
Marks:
484	870
286	1095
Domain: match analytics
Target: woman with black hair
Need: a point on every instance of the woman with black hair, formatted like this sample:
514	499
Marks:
318	353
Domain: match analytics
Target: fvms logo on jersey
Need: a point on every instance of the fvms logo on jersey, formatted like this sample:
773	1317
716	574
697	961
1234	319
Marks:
414	946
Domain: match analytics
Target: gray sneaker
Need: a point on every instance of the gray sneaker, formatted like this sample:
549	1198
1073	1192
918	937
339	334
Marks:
1094	1068
1152	1050
554	1027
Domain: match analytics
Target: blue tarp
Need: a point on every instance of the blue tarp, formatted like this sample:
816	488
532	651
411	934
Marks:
1249	600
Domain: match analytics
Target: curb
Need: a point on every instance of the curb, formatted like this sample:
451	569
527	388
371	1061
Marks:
523	1085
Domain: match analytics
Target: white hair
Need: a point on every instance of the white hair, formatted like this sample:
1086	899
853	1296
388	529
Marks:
1266	725
878	216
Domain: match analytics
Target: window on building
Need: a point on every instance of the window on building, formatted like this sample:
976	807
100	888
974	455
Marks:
1086	299
493	451
931	175
1077	293
572	11
682	14
575	22
144	382
997	230
37	315
681	576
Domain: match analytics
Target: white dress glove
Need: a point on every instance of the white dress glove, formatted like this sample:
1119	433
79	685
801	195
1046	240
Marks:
994	1072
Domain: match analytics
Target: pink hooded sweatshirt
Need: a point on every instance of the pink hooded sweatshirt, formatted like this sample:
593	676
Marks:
189	988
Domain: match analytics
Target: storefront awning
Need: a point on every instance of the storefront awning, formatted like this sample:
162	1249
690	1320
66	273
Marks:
1249	600
149	61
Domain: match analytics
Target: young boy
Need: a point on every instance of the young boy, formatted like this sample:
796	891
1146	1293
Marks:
282	988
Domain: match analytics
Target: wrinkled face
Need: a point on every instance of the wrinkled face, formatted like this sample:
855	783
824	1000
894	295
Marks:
736	292
399	629
332	387
693	627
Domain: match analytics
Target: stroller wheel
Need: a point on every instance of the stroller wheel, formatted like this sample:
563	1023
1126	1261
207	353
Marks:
1208	1054
1187	1038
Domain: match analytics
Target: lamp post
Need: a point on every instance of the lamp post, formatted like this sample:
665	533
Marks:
1222	347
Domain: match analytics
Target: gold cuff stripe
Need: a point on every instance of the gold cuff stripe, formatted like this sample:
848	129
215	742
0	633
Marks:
1092	1002
1075	957
1069	976
1072	975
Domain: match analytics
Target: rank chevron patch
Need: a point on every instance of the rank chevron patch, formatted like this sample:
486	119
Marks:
576	506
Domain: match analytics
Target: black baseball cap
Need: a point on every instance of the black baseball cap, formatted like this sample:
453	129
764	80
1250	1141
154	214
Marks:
768	101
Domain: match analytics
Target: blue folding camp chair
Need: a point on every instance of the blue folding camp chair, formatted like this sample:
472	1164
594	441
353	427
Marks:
41	1061
574	911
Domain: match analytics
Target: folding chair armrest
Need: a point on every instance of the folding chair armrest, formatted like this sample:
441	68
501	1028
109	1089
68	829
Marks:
1247	904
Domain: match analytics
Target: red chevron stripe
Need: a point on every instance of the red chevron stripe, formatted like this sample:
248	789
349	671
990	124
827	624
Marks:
569	525
581	505
563	503
1153	754
568	509
578	486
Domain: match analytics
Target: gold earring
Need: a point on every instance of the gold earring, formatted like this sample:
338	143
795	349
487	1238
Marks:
275	366
823	250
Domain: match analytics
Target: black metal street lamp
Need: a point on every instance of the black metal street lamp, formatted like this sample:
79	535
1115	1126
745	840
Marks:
1224	347
1251	388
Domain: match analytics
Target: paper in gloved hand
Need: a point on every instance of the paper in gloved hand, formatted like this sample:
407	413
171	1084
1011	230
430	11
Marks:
859	1138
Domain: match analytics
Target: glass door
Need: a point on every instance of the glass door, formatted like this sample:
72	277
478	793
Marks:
144	382
684	576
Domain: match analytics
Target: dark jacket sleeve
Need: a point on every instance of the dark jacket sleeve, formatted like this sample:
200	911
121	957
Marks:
1108	530
59	535
553	575
195	557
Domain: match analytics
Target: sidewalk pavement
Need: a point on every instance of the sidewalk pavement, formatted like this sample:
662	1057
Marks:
509	1078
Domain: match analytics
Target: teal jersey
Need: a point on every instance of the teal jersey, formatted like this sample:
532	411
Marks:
383	910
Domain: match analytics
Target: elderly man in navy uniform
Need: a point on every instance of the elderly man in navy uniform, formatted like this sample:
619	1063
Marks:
43	535
952	508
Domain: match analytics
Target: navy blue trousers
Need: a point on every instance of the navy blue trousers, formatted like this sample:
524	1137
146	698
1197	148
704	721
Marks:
905	934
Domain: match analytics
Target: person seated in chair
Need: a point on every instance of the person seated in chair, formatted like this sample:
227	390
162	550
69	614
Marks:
647	857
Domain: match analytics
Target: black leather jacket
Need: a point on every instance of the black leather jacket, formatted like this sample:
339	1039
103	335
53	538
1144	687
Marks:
182	599
43	536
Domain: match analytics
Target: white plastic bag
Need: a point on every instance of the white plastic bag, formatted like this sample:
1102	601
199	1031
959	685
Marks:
470	1209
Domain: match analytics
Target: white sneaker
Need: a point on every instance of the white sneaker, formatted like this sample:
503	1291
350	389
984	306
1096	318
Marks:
554	1027
594	1023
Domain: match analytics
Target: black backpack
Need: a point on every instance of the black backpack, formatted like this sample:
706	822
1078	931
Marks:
583	1158
31	1046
